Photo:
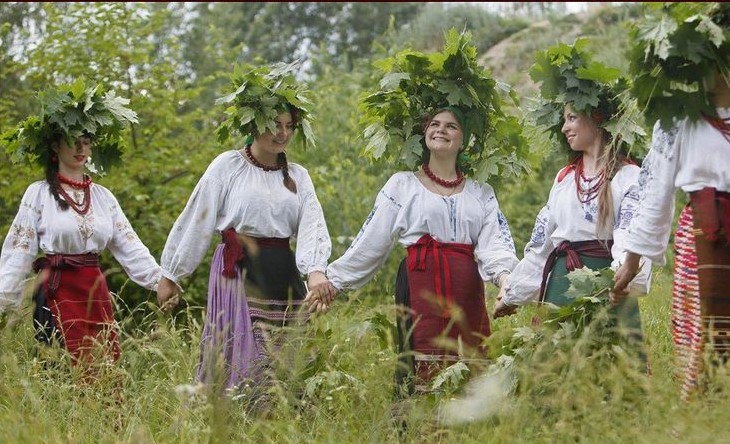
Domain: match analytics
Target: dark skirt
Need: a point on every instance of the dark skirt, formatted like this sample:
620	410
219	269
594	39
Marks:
625	316
245	314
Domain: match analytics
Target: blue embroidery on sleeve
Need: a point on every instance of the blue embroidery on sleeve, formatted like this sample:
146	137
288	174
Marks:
504	232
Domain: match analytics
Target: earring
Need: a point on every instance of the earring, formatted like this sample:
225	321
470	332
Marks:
54	159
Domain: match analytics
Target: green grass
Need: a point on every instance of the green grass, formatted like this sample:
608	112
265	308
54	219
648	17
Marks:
349	353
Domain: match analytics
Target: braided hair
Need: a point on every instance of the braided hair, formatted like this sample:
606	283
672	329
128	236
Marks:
51	170
289	183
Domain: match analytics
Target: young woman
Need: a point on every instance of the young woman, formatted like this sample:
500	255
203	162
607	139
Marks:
690	151
456	238
256	201
592	199
584	222
71	220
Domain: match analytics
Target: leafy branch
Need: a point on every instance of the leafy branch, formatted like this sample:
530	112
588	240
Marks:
70	111
674	57
262	93
568	75
414	85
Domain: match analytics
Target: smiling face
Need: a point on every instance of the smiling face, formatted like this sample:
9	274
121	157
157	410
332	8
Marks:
269	144
444	133
71	160
581	132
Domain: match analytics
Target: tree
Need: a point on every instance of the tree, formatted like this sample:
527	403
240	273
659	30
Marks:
285	31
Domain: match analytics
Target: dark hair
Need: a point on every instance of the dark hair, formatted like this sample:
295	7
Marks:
281	160
289	183
294	112
51	171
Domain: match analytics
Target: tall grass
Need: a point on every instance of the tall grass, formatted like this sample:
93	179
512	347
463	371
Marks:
336	387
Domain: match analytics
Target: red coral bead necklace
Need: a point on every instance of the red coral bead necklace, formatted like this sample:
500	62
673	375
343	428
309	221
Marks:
443	182
256	163
79	207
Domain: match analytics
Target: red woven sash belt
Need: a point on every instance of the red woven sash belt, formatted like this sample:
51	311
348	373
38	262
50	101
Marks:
58	262
573	250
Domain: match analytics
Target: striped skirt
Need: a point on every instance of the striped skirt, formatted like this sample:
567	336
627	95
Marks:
686	317
700	301
245	316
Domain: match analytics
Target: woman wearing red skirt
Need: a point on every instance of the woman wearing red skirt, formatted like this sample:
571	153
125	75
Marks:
71	221
456	238
690	151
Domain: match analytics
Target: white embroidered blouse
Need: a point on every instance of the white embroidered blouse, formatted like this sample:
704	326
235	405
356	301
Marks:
405	210
232	193
566	218
41	225
690	156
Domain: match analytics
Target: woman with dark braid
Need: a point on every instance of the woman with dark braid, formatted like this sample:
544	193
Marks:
257	202
72	221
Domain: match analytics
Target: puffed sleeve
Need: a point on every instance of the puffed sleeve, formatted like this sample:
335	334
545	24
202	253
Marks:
495	248
20	248
129	251
373	244
313	240
193	230
648	233
523	285
628	205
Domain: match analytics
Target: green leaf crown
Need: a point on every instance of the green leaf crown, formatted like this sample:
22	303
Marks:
568	75
260	93
415	85
70	111
674	55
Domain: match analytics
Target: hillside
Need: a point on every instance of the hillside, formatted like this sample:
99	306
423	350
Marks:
510	61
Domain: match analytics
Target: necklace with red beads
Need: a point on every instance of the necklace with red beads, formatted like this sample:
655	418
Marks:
256	163
588	194
82	207
443	182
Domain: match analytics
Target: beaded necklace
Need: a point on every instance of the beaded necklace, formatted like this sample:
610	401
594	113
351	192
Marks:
80	208
587	195
444	183
255	162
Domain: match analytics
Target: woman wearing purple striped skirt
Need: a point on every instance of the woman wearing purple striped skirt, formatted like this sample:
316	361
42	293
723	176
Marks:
256	201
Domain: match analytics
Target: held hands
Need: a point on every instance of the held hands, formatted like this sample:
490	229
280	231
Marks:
502	309
321	292
167	294
625	274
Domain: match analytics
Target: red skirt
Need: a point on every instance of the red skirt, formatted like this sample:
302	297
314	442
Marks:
447	307
83	313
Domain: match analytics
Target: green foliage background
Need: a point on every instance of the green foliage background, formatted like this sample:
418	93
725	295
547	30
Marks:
172	60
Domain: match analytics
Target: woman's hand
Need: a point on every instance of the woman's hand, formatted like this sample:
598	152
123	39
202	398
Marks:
502	309
625	274
167	294
321	292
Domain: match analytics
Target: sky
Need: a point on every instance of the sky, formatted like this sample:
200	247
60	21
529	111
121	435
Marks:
570	6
